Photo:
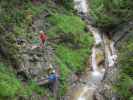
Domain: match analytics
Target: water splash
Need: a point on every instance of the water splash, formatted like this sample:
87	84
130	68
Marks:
93	59
114	54
81	98
96	34
96	73
81	6
110	51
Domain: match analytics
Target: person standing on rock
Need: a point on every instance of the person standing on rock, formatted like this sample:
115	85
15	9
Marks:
43	37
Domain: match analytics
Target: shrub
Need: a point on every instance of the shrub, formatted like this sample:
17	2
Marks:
123	88
73	59
65	74
68	24
68	4
125	82
9	85
35	88
111	13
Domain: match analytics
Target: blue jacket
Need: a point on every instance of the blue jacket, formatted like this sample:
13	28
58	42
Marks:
52	77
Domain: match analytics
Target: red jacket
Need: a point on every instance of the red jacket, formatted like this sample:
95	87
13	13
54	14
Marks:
43	37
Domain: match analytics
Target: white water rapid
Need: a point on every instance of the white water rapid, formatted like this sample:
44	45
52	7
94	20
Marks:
81	6
110	51
93	78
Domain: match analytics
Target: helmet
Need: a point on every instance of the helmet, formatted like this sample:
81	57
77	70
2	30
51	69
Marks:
41	31
53	72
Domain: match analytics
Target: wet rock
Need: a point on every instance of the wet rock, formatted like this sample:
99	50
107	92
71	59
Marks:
99	57
71	80
97	96
110	77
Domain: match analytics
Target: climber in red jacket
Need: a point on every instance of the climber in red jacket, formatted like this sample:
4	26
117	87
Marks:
43	37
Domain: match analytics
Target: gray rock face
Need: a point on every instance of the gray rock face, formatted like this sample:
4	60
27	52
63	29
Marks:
40	23
122	31
35	62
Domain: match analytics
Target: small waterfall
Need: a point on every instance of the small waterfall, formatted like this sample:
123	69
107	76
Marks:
96	34
112	48
114	54
110	51
98	41
93	57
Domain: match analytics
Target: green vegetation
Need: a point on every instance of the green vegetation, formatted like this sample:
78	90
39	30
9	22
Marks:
66	24
10	86
125	83
72	58
112	12
68	4
65	72
72	28
75	48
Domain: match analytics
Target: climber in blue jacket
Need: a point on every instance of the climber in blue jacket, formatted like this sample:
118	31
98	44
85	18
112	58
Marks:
52	77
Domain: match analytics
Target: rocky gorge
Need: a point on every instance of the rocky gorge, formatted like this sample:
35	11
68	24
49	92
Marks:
88	50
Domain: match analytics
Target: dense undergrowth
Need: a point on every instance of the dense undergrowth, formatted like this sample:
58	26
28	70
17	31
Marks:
125	83
12	88
109	14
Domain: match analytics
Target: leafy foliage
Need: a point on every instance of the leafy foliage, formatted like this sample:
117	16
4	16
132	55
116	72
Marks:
68	24
74	60
73	28
9	85
35	88
124	86
65	72
112	12
68	4
125	83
